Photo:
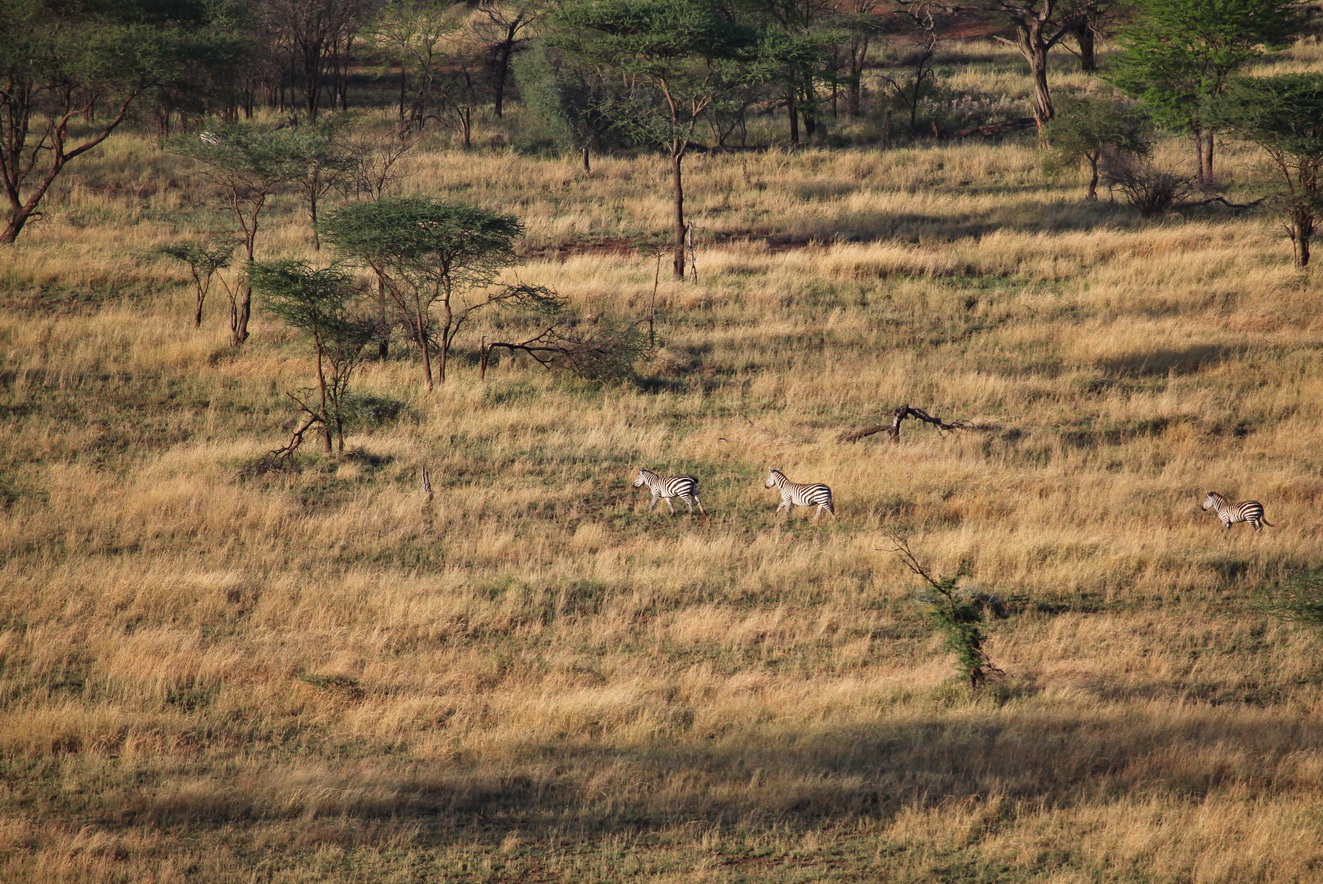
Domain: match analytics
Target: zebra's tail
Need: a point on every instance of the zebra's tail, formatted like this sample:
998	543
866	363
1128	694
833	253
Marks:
1269	524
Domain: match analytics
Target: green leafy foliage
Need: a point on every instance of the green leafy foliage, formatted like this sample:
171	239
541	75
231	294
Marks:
322	303
437	262
204	259
426	243
1088	127
1283	115
957	613
1177	55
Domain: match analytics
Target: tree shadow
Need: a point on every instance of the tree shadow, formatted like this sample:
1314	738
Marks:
1169	361
1052	757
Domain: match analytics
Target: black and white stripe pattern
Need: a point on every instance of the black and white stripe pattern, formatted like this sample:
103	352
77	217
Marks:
793	494
665	488
1230	513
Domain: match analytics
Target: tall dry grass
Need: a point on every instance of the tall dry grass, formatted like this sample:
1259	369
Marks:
213	674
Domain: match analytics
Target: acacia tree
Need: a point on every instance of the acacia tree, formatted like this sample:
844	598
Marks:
1178	55
411	32
1089	127
325	160
920	24
683	55
437	262
69	75
322	303
795	39
503	27
247	165
204	260
1283	115
1038	27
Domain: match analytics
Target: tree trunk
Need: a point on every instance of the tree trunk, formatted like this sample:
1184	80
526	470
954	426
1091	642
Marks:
1085	39
677	157
792	108
383	345
1093	177
1207	154
321	384
315	184
420	332
404	82
1043	110
239	317
1302	231
503	69
17	219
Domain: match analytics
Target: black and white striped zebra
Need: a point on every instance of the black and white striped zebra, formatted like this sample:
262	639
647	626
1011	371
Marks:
794	494
667	487
1230	513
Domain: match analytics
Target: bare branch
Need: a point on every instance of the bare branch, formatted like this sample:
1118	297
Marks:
899	415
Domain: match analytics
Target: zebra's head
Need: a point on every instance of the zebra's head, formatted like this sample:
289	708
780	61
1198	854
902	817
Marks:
1212	500
639	480
774	478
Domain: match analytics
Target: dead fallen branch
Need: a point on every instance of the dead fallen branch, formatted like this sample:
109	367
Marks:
987	130
1239	207
904	411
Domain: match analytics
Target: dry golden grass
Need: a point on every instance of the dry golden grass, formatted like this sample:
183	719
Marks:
214	675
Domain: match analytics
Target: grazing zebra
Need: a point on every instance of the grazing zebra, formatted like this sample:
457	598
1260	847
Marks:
664	488
1230	513
794	494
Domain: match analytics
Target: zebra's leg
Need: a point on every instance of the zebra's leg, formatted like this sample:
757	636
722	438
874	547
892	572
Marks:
668	505
655	495
700	505
689	502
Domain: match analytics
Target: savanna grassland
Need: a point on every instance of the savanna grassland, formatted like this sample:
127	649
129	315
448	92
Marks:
215	673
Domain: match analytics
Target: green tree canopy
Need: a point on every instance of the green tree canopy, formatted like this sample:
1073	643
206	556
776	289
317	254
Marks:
1283	115
1087	127
322	303
1177	55
438	263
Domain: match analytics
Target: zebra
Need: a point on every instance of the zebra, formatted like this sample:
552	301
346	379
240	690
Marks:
794	494
664	488
1230	513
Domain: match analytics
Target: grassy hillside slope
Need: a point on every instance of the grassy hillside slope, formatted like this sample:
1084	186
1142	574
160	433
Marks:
209	673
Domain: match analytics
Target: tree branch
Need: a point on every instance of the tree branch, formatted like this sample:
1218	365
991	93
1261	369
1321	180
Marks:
898	415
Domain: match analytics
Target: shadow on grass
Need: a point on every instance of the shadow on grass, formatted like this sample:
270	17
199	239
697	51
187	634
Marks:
1035	759
1169	361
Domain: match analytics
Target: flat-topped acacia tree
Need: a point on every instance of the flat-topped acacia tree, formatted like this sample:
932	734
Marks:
683	53
438	263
